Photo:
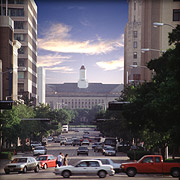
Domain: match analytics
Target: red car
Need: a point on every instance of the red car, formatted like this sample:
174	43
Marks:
47	161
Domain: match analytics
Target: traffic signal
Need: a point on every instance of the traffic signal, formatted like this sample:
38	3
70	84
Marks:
116	106
6	104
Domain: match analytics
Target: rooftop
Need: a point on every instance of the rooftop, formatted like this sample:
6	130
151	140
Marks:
93	88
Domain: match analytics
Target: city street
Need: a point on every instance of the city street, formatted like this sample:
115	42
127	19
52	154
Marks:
55	148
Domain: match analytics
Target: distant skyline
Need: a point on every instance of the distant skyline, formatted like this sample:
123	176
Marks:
88	32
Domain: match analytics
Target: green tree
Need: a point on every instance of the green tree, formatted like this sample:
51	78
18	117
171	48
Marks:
13	126
153	113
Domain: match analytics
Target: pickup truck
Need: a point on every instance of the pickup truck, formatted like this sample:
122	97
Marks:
151	164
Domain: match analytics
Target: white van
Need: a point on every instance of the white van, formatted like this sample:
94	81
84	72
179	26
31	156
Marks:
65	128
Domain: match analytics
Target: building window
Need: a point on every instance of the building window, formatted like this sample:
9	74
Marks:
18	25
21	50
136	77
134	63
20	87
15	1
20	75
135	55
134	18
135	44
134	5
176	14
134	34
19	37
15	12
21	62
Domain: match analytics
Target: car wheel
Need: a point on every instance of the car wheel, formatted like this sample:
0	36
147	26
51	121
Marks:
45	166
7	172
66	174
102	174
175	173
131	172
77	154
25	169
36	169
87	154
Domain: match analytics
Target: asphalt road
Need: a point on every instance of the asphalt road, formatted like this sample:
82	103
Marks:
55	148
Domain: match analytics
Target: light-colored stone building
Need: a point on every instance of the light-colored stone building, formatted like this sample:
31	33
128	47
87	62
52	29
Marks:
140	33
81	95
71	96
24	15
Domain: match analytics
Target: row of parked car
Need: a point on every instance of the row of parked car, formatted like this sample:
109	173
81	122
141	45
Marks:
100	167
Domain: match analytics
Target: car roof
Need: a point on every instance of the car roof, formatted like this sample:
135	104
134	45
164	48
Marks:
46	155
90	160
82	147
24	157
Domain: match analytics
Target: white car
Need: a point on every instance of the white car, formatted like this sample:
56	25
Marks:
109	151
85	167
35	143
107	161
39	150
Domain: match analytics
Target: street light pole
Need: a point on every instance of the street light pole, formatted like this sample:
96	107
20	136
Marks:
143	50
157	24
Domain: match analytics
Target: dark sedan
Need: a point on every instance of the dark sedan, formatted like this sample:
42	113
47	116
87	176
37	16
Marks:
82	150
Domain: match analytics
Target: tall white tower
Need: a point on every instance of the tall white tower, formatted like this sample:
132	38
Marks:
41	85
82	83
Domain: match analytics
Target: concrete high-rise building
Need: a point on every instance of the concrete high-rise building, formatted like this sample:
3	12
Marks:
24	15
82	83
8	57
140	33
41	88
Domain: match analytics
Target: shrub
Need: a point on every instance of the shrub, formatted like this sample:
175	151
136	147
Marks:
6	155
123	149
26	148
136	155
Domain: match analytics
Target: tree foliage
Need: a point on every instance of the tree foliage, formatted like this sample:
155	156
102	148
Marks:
153	113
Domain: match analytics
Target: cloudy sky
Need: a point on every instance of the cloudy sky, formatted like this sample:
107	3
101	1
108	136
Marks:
88	32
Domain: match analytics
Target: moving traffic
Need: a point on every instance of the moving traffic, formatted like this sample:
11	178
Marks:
83	160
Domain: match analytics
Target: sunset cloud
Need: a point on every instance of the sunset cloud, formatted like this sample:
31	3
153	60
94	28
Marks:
58	39
51	60
62	69
111	65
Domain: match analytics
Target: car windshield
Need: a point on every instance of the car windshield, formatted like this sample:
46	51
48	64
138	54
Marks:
41	158
35	142
19	160
109	148
82	148
85	140
39	148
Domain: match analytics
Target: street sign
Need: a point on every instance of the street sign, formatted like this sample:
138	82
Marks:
116	106
6	104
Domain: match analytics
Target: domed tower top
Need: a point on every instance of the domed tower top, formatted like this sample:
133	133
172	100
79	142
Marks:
82	83
82	67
